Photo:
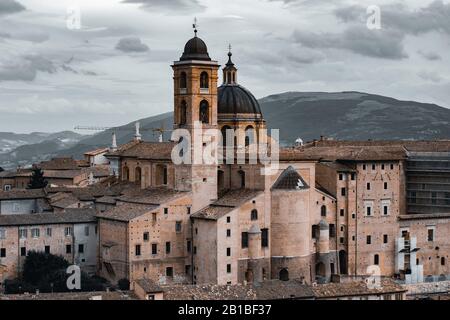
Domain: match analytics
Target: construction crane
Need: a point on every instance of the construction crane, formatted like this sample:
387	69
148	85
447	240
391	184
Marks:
160	131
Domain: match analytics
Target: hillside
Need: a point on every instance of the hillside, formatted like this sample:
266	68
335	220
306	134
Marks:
308	115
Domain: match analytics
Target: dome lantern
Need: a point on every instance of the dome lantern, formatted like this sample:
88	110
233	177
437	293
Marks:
230	71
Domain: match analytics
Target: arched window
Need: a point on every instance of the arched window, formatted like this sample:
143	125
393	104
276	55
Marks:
183	112
323	211
137	175
376	259
183	80
254	214
284	275
224	136
126	173
249	136
228	77
204	112
242	178
204	82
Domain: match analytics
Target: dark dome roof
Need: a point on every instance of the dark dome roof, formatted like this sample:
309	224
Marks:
195	49
234	98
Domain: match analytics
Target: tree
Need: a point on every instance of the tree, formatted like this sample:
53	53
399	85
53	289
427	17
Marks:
41	267
37	179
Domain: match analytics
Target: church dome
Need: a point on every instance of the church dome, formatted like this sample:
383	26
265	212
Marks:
233	98
195	49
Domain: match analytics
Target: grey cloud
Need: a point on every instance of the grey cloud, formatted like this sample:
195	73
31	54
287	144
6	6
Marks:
169	5
430	76
432	56
434	17
360	40
10	6
131	44
25	68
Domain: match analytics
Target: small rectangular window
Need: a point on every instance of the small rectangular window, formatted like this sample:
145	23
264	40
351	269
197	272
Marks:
368	185
382	166
385	186
23	251
188	245
264	238
146	236
47	249
3	253
353	176
364	167
188	210
49	232
68	248
369	240
385	238
341	176
368	211
228	219
166	210
228	268
342	212
341	240
228	252
430	234
23	234
137	250
35	232
169	271
81	248
373	166
244	240
68	231
385	210
392	166
376	259
228	232
168	247
154	248
343	191
332	230
178	226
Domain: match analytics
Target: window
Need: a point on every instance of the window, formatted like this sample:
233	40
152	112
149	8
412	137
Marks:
86	231
264	238
68	231
187	269
68	248
353	176
242	178
343	192
204	83
385	238
332	230
47	249
168	247
364	167
382	166
385	210
373	166
369	240
254	214
183	112
368	185
430	234
342	228
204	112
154	217
385	186
35	232
195	250
23	251
244	240
178	226
183	80
376	259
166	210
341	240
169	272
7	187
368	211
250	136
137	250
385	205
442	261
314	231
81	248
323	211
23	234
154	248
368	205
228	219
228	232
392	166
48	232
188	245
188	210
125	173
228	268
228	252
341	176
146	236
3	253
342	212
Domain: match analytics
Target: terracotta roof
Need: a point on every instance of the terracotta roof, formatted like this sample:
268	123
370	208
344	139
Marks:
290	179
62	174
64	202
277	289
96	152
146	150
356	288
22	194
209	292
59	164
126	212
69	216
150	196
228	202
112	295
149	286
106	199
339	167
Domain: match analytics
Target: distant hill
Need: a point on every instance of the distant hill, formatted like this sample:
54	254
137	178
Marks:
308	115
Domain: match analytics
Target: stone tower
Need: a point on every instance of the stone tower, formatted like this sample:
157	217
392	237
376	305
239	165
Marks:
195	110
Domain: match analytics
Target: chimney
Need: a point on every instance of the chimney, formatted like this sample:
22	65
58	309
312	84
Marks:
137	135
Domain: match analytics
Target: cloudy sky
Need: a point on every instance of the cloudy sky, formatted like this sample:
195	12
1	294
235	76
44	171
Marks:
116	67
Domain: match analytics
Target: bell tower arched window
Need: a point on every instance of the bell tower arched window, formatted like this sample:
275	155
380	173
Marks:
204	112
183	80
204	80
249	136
183	112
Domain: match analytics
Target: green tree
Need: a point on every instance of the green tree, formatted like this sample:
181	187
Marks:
37	179
41	267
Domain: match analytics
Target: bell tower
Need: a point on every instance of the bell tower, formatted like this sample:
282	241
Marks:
195	107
